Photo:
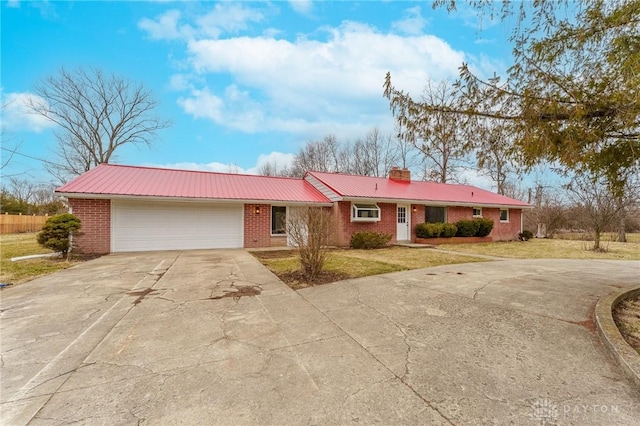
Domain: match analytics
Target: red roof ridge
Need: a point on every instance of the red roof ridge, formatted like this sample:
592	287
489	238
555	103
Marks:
167	169
384	178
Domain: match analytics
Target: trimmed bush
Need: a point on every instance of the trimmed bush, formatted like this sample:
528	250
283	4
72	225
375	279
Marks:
525	235
484	227
449	230
429	230
467	228
369	240
56	232
421	230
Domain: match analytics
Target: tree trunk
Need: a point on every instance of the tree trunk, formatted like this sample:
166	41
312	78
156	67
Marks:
596	242
622	234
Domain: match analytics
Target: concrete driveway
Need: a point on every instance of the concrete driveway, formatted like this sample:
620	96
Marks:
211	337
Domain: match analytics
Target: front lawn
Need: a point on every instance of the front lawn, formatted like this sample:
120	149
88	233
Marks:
14	245
551	249
348	263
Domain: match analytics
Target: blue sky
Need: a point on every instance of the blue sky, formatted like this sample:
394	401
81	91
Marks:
242	82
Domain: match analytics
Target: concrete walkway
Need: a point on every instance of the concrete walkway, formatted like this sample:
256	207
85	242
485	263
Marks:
211	337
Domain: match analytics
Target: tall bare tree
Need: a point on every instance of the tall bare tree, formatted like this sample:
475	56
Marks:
96	114
374	155
320	156
600	208
439	136
572	92
493	145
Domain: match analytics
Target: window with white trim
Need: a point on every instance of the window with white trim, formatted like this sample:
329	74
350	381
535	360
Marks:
278	220
504	215
365	212
477	212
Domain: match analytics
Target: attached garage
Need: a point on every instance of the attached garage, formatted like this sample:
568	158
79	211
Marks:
150	226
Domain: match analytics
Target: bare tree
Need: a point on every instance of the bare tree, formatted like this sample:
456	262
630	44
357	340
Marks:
320	156
310	230
492	142
548	215
601	209
374	155
22	189
96	115
437	135
272	168
8	144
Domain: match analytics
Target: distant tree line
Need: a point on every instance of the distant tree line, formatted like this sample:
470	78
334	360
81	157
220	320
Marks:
22	196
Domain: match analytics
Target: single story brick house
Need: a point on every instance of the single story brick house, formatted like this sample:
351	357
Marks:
130	208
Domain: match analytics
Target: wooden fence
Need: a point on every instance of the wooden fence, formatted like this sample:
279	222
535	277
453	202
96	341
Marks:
14	223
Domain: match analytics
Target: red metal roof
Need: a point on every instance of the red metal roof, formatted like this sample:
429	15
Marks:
349	186
117	180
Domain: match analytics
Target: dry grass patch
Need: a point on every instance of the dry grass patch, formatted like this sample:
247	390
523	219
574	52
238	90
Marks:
347	263
632	237
551	249
14	245
627	318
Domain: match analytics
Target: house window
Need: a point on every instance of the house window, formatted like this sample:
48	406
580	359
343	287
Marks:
504	215
477	212
278	220
365	213
434	214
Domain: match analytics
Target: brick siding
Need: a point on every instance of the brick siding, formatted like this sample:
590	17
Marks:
95	235
257	226
502	231
345	228
95	214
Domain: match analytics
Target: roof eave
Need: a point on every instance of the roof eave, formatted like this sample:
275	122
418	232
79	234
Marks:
192	199
438	202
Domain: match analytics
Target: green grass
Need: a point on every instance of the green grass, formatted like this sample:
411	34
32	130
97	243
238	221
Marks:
14	245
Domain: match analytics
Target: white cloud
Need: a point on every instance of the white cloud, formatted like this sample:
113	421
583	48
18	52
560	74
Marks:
309	86
412	22
301	6
13	3
229	18
476	178
298	85
166	27
16	114
279	159
225	17
202	104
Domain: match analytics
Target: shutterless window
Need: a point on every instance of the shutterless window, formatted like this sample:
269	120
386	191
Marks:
365	212
435	214
477	212
504	215
278	220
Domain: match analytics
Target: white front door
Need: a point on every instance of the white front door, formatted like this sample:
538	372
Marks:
402	230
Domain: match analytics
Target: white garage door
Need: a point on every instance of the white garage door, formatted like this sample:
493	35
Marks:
149	226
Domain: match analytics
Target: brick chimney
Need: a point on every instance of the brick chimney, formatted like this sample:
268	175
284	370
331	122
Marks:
403	175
